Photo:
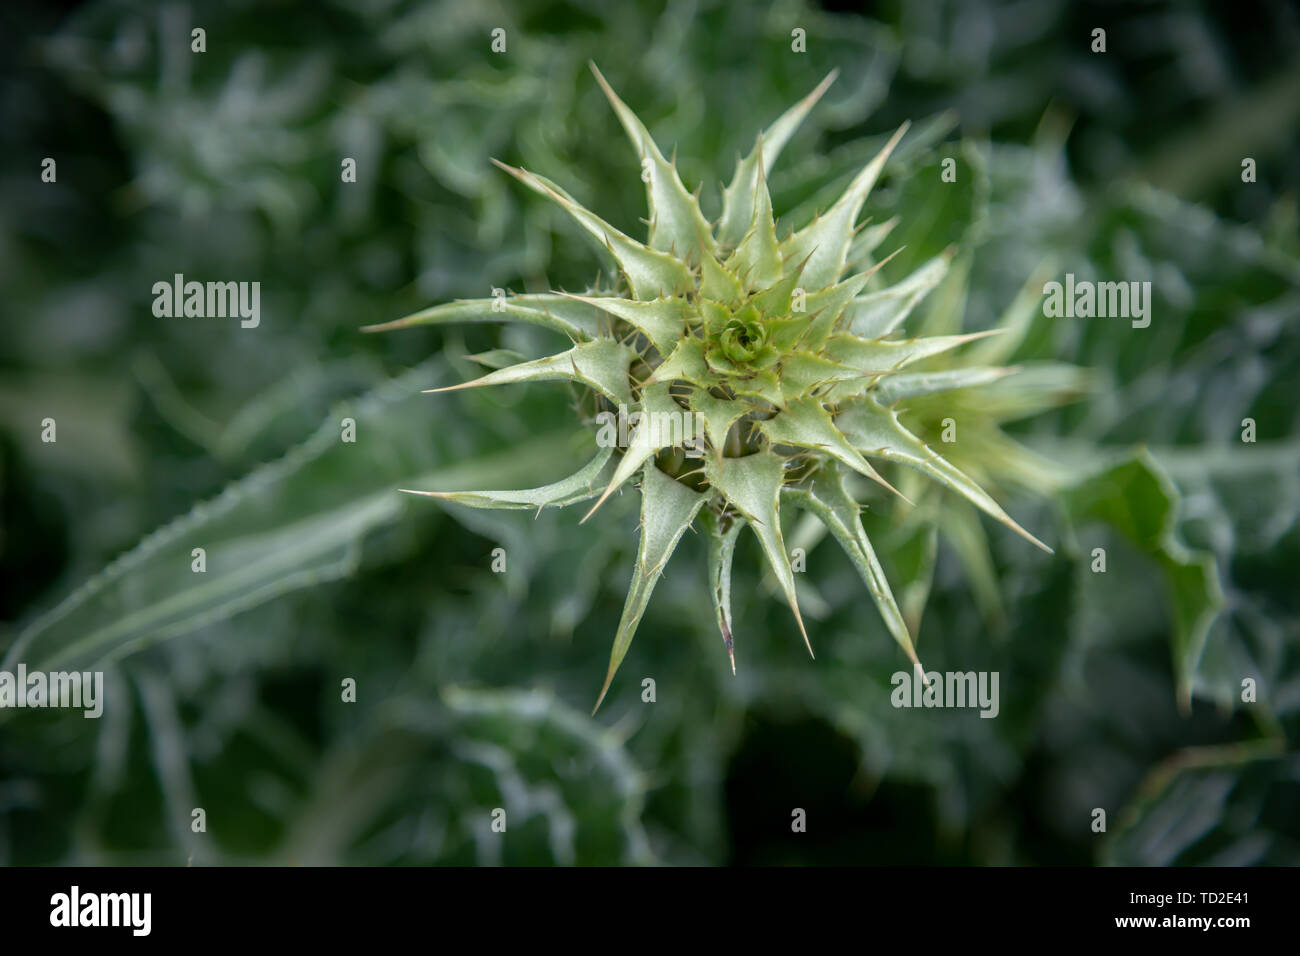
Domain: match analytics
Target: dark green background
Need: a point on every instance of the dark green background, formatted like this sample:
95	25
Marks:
474	687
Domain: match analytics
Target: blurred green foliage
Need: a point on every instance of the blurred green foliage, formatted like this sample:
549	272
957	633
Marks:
1119	690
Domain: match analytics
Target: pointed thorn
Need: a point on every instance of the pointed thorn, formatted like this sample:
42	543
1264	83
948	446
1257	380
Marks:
609	679
972	336
512	170
909	501
1030	538
604	84
608	491
729	643
876	268
880	479
911	653
794	606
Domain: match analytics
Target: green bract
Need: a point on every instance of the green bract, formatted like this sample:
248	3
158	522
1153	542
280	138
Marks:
782	364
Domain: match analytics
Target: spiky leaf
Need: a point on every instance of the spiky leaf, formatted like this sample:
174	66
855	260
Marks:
829	500
752	485
667	509
722	535
600	364
650	273
876	431
738	197
825	241
557	312
676	224
580	486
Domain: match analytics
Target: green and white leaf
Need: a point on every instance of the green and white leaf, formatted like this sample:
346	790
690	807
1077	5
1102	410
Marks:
650	273
663	424
667	509
580	486
824	242
676	224
601	364
738	198
876	431
752	485
722	549
829	500
556	312
877	314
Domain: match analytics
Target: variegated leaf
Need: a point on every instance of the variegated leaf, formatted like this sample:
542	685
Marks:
825	241
557	312
601	364
722	534
874	430
580	486
738	197
663	424
667	509
827	498
676	224
650	273
752	485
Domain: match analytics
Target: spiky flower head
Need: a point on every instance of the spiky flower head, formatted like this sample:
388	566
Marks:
787	367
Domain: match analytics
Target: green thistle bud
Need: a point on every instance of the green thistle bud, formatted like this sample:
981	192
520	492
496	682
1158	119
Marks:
789	371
